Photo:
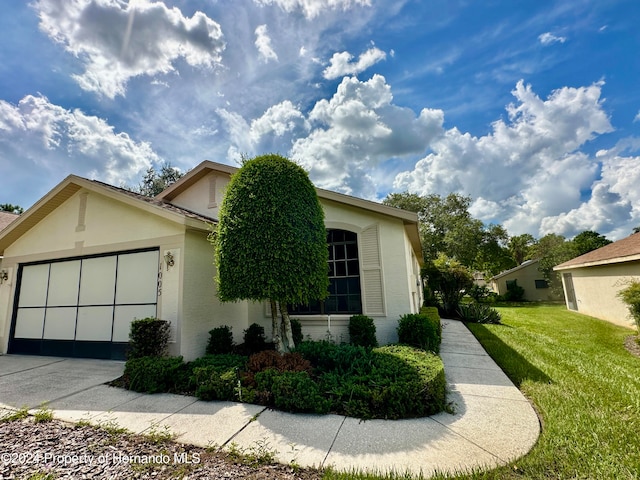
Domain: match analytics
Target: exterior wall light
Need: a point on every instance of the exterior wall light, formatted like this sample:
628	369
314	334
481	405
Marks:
169	260
4	276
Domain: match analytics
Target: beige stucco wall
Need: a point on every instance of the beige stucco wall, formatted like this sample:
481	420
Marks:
526	278
109	226
596	290
201	308
205	195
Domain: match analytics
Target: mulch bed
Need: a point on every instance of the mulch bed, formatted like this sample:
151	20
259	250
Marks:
632	345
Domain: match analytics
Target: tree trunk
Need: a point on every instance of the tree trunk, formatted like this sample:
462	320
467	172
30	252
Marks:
287	332
275	328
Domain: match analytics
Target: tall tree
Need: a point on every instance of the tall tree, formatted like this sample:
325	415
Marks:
520	247
589	240
493	255
271	242
155	181
7	207
553	249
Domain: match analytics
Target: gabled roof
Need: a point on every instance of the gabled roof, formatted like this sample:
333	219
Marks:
6	218
72	184
625	250
523	265
409	219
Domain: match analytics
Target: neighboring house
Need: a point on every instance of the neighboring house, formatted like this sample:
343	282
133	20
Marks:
527	276
88	258
592	281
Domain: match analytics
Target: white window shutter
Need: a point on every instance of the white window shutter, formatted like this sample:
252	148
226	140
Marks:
372	284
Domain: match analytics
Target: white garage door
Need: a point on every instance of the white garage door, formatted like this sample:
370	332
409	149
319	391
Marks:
84	307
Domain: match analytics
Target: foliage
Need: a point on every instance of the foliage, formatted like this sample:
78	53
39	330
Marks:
154	374
514	293
330	357
420	330
271	240
478	313
254	339
296	330
589	240
449	280
552	250
154	182
149	337
215	383
272	360
362	331
479	293
520	247
631	296
292	391
7	207
220	340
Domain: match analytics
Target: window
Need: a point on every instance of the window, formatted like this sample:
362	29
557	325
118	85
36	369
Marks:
541	284
344	278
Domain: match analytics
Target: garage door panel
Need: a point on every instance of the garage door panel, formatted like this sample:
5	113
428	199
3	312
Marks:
137	278
98	280
33	291
60	323
64	281
29	323
124	315
94	323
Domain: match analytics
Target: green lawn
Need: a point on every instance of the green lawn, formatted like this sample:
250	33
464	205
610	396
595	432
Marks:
584	384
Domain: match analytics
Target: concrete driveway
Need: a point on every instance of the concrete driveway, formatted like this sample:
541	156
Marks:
29	381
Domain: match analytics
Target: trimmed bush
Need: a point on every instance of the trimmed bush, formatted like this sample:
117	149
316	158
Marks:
254	339
362	331
330	357
478	313
292	391
272	360
149	337
215	383
220	340
422	330
155	374
630	295
296	330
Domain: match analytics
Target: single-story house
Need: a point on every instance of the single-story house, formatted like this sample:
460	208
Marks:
592	281
88	258
527	276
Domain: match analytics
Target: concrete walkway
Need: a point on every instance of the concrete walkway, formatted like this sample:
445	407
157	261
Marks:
493	423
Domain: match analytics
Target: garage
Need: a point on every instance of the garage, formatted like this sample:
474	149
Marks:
83	307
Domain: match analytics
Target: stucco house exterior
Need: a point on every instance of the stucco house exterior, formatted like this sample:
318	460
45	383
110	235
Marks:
592	281
88	258
527	276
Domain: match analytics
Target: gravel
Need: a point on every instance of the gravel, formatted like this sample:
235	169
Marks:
58	450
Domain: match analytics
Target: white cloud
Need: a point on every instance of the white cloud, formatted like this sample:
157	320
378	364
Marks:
341	63
527	168
36	135
117	41
263	44
549	38
312	8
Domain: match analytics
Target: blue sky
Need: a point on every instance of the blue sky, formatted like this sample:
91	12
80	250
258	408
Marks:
530	108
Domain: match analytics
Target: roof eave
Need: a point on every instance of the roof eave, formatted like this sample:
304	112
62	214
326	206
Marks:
598	263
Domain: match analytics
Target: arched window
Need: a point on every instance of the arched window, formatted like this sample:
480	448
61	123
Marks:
344	278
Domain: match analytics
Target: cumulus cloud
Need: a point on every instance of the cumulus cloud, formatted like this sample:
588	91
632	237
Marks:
341	64
55	141
312	8
528	167
117	41
263	44
549	38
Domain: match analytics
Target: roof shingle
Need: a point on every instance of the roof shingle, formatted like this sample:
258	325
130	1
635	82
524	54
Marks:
615	252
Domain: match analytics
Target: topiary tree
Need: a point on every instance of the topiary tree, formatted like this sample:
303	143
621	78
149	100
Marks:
271	242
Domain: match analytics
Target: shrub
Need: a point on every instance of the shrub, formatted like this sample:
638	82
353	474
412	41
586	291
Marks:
326	356
292	391
228	361
220	340
254	339
215	383
631	296
296	329
155	374
422	330
479	313
479	293
272	360
514	293
149	337
362	331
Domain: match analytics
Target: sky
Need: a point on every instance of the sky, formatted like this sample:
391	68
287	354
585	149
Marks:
530	108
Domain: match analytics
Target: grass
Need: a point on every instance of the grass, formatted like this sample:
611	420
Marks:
583	383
